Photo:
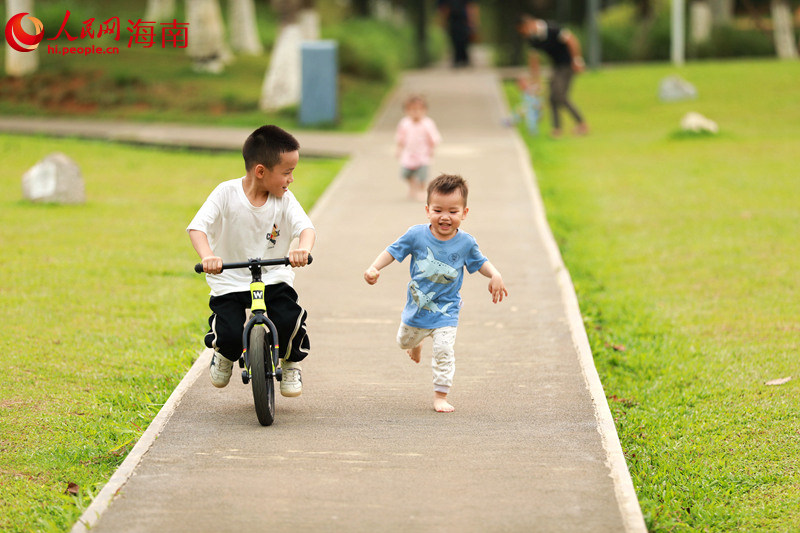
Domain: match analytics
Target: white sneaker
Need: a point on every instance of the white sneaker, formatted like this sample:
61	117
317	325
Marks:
291	381
221	369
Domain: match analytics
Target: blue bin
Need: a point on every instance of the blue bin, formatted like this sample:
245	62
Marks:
319	82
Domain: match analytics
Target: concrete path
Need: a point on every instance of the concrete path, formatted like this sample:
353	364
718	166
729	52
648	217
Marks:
531	445
330	144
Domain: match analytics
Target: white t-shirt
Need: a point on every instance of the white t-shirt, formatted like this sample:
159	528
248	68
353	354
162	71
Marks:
238	231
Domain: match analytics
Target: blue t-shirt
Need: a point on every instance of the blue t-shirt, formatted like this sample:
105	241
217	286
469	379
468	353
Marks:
437	271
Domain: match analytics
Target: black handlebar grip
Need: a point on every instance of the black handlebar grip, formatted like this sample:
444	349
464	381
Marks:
199	266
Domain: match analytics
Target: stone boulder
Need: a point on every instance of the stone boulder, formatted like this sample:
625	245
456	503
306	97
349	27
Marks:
54	179
675	89
696	123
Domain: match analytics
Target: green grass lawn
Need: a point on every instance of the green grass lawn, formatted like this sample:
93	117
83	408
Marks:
685	255
102	313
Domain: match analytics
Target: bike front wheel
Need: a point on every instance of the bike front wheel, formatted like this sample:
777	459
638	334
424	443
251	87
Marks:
260	356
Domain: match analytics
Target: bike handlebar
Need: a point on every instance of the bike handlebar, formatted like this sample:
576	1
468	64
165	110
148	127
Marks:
283	261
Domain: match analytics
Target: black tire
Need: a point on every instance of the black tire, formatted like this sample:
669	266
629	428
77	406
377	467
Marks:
263	384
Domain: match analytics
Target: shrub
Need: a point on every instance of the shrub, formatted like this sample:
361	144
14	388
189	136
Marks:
728	41
654	36
371	49
617	29
624	38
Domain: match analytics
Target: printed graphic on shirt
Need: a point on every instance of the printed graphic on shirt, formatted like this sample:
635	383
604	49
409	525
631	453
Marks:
436	271
273	237
425	301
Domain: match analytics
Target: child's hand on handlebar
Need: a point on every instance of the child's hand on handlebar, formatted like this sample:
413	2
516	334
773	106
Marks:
298	257
212	264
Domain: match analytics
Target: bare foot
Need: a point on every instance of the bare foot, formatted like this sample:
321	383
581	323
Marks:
441	405
415	352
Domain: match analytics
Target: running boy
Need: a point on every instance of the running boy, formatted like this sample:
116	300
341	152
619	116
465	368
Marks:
439	252
248	217
416	137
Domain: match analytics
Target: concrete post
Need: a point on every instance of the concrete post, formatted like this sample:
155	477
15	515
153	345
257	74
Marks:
678	49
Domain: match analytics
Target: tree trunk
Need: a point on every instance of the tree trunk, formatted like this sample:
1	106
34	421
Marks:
644	9
361	8
385	11
207	46
593	47
308	19
243	27
721	12
700	21
21	63
299	22
510	44
783	29
286	10
160	10
417	14
282	81
563	11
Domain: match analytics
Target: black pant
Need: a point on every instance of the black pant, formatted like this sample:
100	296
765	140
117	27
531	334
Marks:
559	95
229	312
459	40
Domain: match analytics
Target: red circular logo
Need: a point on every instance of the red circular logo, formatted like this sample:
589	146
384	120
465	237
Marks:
18	38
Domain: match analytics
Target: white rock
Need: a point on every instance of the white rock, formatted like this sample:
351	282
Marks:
56	178
675	88
695	122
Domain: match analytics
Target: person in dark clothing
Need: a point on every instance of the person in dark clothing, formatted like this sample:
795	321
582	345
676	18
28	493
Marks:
460	19
564	51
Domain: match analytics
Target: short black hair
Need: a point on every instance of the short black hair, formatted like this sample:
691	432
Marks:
265	146
448	183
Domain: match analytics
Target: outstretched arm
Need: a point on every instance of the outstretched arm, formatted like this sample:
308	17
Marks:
496	286
574	46
373	272
211	263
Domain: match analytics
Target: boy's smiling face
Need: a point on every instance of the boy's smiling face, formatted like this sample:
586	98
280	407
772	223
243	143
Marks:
276	180
445	213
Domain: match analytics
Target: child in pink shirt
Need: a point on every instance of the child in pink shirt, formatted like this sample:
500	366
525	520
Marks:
416	137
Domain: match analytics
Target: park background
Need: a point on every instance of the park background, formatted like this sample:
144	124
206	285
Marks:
682	246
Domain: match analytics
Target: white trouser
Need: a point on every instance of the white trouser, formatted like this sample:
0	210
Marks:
444	357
